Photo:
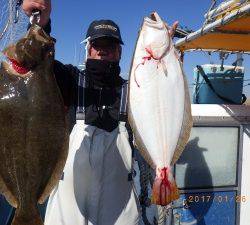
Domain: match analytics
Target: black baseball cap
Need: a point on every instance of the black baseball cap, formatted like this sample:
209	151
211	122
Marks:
104	28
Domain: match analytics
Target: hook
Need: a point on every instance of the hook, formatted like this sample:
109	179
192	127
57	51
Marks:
35	17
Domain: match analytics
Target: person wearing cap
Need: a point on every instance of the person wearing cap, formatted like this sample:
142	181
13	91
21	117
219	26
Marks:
97	186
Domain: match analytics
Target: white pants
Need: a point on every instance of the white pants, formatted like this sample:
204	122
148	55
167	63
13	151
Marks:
94	189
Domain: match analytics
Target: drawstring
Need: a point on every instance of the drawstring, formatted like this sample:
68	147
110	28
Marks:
91	146
98	107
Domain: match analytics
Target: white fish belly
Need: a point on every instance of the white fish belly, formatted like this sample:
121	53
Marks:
157	106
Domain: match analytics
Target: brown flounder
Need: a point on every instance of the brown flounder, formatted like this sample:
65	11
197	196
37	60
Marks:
33	130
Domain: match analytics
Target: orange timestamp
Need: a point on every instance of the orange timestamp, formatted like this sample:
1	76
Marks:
215	198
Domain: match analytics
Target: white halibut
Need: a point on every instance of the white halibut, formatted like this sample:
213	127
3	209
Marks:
159	105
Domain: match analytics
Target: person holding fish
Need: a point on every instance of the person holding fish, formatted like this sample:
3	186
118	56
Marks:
96	186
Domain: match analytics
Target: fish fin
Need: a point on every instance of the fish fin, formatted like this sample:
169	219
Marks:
29	216
164	189
56	175
8	195
139	143
186	124
8	51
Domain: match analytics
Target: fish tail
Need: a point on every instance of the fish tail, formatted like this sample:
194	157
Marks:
164	188
29	216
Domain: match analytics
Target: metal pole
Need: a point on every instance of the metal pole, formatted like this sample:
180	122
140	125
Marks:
210	27
239	59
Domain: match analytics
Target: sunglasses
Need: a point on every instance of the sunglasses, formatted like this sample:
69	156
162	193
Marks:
106	43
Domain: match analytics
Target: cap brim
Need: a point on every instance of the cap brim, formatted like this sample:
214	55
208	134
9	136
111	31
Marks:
107	36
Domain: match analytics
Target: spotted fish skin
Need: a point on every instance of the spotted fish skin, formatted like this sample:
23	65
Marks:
33	128
159	108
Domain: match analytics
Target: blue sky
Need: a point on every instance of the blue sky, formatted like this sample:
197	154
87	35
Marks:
70	20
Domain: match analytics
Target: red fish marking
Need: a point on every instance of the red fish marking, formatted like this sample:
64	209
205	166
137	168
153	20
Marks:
164	191
165	186
144	59
18	67
151	56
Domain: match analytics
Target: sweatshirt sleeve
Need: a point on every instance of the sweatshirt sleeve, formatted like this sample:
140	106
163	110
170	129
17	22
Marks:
47	28
67	80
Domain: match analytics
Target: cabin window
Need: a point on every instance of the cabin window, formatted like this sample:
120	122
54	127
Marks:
209	159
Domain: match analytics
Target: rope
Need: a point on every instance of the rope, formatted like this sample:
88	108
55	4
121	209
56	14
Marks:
162	213
146	178
18	4
209	10
5	29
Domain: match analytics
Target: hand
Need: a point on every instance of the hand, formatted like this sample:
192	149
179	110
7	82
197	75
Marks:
173	28
43	5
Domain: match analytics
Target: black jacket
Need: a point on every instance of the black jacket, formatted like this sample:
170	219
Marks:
101	106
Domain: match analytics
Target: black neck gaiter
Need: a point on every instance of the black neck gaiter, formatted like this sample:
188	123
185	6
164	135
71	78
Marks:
102	73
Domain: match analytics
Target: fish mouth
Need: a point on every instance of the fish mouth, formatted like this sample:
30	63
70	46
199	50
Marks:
153	17
17	68
154	20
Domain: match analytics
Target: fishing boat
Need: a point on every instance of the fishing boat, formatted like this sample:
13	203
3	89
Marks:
226	31
213	171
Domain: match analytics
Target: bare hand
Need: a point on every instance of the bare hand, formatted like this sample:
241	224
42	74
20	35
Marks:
43	5
173	28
